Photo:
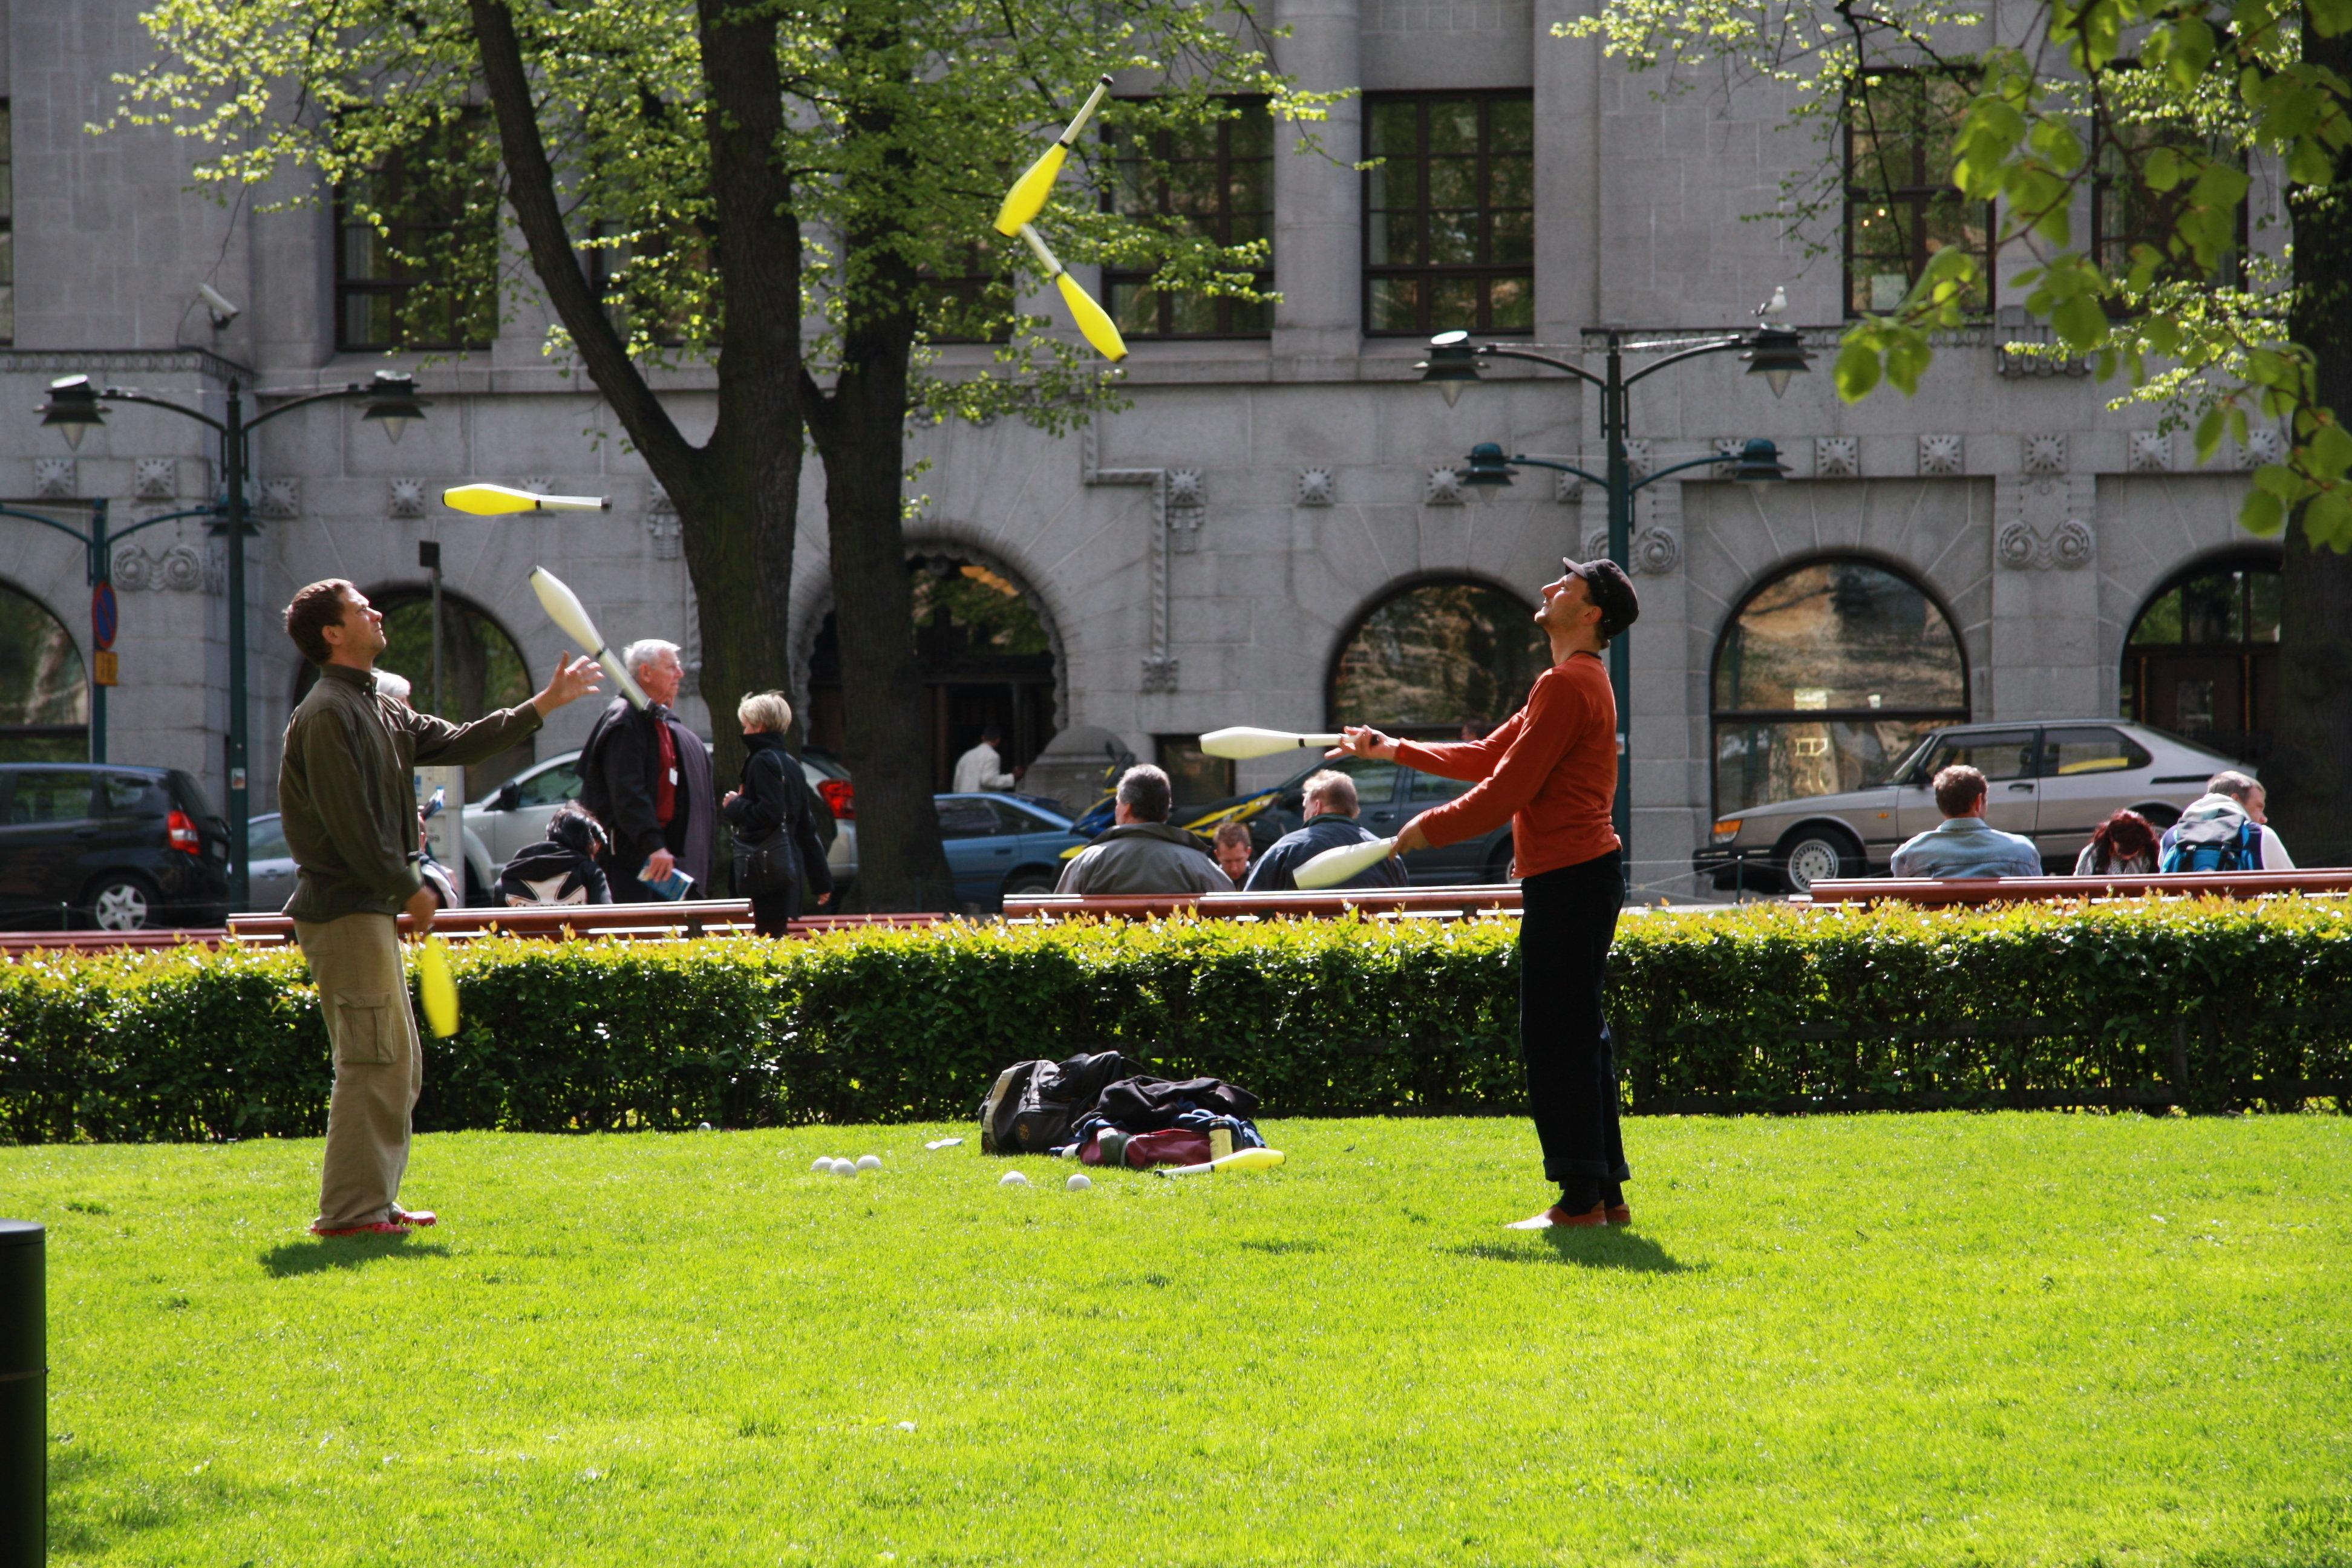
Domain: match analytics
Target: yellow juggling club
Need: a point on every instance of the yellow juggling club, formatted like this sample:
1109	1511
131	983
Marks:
440	991
564	608
1239	1160
1093	321
496	500
1027	197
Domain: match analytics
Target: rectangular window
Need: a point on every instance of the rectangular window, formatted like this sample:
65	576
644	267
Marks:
1196	777
1213	181
1449	213
7	227
1901	208
2125	213
415	246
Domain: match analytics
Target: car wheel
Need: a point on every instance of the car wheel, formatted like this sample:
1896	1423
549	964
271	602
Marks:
1029	883
1498	864
121	901
1812	855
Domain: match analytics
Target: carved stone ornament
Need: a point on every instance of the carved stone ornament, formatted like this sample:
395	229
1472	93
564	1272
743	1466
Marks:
407	498
1656	552
181	569
2150	452
1837	456
280	498
1637	460
1316	487
1568	490
54	477
134	570
1160	674
1596	545
156	478
2072	544
667	536
2046	454
1939	455
1727	450
1443	487
658	501
539	484
1184	488
2261	447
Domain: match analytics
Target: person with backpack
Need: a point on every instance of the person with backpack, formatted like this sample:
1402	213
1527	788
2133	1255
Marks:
2122	845
778	850
560	868
2225	830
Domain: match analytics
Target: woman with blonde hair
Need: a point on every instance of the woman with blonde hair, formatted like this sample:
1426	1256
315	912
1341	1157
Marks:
778	849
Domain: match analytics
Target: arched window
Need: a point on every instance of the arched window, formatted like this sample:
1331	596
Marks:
1436	656
1825	677
44	695
482	670
984	655
2201	659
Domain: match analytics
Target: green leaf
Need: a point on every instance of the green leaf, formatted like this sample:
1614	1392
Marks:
2262	513
1857	371
2082	325
2209	434
2161	170
2328	518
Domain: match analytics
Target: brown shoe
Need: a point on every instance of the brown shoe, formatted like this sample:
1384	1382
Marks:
1620	1215
1558	1218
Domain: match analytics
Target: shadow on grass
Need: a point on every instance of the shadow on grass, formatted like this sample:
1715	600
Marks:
1611	1248
318	1255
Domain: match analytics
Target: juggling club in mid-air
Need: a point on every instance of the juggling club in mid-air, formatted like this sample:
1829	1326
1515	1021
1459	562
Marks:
564	608
1092	320
1027	197
1241	742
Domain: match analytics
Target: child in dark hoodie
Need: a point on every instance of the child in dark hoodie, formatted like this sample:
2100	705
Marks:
562	869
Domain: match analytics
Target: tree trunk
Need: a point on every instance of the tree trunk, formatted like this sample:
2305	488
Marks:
2309	776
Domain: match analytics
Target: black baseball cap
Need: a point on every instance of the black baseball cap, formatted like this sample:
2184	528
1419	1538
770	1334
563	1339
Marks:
1610	589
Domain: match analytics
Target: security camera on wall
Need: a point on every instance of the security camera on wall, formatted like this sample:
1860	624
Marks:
223	312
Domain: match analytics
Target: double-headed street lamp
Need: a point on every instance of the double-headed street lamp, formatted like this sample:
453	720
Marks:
75	405
1773	350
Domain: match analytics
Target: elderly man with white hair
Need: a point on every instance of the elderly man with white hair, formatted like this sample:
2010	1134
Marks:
648	778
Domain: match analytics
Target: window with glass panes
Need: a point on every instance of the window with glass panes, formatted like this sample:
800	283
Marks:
1449	213
2126	212
2202	658
1901	206
8	227
401	275
1215	181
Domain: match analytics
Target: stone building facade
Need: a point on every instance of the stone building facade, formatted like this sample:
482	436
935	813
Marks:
1201	558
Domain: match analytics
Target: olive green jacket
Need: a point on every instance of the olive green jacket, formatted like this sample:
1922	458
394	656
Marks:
347	795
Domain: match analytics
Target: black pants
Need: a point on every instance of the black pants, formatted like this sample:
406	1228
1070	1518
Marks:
770	911
1567	920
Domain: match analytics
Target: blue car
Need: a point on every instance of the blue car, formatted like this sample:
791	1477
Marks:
1004	844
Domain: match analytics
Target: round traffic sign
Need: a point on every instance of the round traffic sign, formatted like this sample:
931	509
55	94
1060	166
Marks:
103	615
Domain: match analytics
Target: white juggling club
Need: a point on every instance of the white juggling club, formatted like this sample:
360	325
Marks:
564	608
1334	867
1242	742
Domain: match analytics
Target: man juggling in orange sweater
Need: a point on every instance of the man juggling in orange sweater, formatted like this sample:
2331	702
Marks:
1550	770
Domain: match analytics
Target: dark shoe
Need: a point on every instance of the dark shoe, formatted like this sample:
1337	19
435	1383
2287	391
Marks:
414	1216
1558	1218
374	1228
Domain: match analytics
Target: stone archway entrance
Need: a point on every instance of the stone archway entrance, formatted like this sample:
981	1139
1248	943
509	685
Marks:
986	655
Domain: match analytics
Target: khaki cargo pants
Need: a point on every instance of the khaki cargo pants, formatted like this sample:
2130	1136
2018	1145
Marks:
379	1064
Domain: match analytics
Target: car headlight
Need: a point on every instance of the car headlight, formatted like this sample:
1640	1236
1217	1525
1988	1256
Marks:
1727	830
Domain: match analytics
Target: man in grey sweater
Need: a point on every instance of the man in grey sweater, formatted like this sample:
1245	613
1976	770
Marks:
1141	854
348	803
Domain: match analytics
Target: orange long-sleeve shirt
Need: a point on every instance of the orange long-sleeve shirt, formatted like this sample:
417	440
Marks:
1550	770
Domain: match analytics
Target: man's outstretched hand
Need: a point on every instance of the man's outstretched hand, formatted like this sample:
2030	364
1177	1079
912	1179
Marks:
1363	741
573	679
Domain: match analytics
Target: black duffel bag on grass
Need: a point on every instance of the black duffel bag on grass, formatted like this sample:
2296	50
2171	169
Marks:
1033	1104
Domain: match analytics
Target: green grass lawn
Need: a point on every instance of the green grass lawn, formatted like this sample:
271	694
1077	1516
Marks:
1934	1340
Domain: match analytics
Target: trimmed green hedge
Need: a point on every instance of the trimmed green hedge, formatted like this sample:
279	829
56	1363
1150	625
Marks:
2212	1006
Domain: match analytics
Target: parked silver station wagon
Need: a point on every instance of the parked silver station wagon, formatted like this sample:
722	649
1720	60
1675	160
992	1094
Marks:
2052	783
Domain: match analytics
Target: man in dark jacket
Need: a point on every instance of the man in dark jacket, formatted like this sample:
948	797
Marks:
1329	804
1141	854
648	778
347	799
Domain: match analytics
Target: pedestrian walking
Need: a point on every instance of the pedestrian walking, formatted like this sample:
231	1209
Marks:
779	851
648	778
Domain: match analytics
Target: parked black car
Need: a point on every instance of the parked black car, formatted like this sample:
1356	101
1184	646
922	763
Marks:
109	849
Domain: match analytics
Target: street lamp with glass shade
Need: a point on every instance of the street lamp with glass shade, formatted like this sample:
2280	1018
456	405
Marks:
1771	350
74	406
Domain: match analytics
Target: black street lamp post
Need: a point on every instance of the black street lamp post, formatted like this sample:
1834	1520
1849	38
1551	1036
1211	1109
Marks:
74	406
1773	352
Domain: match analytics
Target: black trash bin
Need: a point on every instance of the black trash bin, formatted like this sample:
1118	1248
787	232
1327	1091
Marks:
24	1396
